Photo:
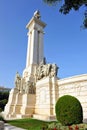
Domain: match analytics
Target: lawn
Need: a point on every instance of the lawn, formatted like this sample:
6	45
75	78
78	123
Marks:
28	124
34	124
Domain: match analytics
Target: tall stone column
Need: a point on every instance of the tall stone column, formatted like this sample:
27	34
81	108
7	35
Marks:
41	46
32	50
35	46
33	55
28	49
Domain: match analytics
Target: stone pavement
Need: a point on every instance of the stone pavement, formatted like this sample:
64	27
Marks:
10	127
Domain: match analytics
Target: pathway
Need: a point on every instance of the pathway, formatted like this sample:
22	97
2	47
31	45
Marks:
10	127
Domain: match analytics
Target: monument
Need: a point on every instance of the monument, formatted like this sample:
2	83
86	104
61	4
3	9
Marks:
33	91
37	90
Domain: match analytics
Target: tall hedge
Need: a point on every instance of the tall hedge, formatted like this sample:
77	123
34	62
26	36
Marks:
69	110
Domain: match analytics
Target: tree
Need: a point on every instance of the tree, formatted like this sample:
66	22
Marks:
68	5
3	99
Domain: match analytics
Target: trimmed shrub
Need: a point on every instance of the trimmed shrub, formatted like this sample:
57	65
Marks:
69	110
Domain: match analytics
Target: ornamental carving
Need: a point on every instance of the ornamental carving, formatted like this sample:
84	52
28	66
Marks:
24	87
44	70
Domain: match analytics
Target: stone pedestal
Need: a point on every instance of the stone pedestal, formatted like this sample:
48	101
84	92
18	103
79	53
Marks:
11	102
46	97
19	105
28	107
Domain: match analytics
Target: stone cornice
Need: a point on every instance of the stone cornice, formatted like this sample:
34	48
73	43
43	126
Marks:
35	20
73	79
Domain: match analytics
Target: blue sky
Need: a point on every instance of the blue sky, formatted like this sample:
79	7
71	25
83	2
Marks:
65	43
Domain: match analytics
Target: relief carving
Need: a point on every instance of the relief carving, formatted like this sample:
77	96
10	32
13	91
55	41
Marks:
30	88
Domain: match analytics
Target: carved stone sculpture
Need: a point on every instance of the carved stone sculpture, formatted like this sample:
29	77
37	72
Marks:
44	70
53	71
37	14
17	81
43	62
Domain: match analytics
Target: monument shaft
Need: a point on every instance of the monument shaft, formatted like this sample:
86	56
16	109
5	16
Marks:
35	52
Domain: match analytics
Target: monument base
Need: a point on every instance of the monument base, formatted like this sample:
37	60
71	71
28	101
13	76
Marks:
20	116
46	97
19	105
45	117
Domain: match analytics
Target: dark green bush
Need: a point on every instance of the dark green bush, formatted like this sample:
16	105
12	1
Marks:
1	118
69	110
0	109
3	99
4	95
3	103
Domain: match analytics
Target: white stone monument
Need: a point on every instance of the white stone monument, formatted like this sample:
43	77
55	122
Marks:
37	90
38	80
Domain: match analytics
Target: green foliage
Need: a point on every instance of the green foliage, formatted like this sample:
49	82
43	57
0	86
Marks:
4	95
1	118
3	99
0	109
85	23
85	20
53	125
75	5
69	110
3	103
68	5
29	124
72	4
33	124
51	2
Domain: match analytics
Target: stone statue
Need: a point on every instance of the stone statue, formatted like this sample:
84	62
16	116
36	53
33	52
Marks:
40	71
48	69
54	69
17	81
22	87
37	14
43	62
44	70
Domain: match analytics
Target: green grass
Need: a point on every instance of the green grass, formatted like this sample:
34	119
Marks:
34	124
28	124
